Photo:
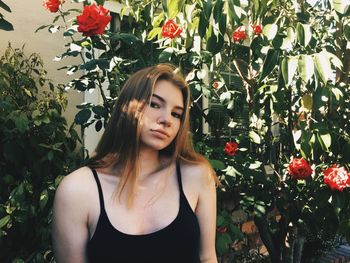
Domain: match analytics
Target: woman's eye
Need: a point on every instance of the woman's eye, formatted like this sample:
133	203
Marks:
177	115
154	105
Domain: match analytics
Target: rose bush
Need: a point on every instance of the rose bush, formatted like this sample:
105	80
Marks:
279	88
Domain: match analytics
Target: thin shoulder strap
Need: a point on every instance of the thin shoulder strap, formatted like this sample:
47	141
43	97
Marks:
100	193
178	172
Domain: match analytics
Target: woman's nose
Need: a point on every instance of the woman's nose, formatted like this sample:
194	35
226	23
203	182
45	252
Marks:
165	119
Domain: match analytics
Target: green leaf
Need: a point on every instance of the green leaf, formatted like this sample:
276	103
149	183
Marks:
53	29
270	62
220	220
103	63
235	12
50	155
260	209
21	122
337	93
304	34
98	125
217	164
346	31
334	59
306	67
203	25
341	6
157	21
5	25
99	110
288	41
214	41
254	137
306	101
327	140
289	66
323	66
4	221
154	32
218	12
256	5
174	7
82	116
18	260
90	65
231	12
69	32
223	243
44	197
126	38
166	54
270	31
207	8
5	6
41	27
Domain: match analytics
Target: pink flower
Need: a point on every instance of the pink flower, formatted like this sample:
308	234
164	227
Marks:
337	178
93	20
231	148
299	168
171	29
239	34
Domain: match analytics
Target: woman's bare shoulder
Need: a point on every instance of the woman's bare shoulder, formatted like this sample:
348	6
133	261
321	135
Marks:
76	185
197	172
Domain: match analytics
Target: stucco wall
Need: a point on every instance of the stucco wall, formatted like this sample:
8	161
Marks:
26	17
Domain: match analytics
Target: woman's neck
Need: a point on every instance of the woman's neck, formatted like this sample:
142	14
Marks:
150	162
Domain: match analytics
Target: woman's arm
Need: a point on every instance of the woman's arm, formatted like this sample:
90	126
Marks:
70	214
206	214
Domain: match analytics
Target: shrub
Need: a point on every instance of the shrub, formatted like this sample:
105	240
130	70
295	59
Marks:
37	149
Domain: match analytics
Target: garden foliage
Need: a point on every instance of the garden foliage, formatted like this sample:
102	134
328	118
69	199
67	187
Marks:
37	150
276	78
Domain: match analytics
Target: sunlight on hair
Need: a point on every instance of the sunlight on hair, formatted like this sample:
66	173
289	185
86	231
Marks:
134	108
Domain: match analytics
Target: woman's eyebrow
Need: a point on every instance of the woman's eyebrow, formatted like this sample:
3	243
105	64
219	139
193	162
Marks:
163	100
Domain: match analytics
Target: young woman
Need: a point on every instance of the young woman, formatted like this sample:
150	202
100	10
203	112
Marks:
145	196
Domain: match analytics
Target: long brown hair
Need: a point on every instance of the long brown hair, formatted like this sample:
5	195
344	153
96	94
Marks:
119	145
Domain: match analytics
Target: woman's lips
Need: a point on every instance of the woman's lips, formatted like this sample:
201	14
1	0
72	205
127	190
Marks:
160	133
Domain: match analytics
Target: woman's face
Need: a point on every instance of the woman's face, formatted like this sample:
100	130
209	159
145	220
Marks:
162	116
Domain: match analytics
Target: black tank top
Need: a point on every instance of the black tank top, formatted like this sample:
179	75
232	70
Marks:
176	243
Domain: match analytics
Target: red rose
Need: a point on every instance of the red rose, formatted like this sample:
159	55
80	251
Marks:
231	148
239	34
337	178
53	5
222	229
299	168
171	29
93	20
257	29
